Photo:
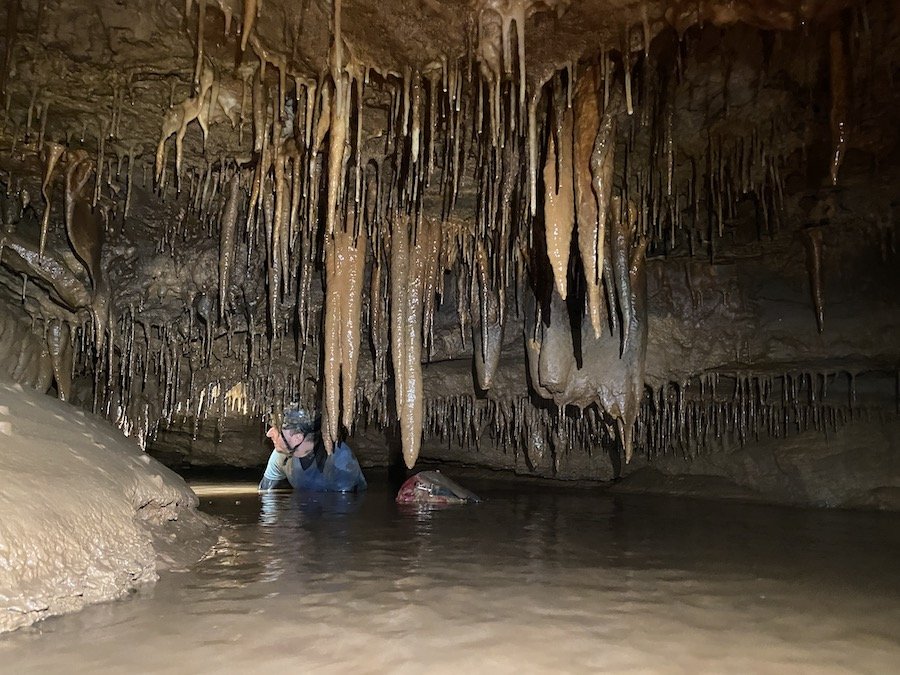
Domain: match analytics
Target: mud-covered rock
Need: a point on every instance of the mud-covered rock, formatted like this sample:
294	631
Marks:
85	515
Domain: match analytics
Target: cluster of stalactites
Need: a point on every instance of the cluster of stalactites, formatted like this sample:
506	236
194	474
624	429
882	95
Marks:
708	413
148	374
704	415
582	132
316	145
496	123
515	424
68	298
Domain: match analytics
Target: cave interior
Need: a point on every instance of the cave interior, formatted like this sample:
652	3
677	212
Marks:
565	238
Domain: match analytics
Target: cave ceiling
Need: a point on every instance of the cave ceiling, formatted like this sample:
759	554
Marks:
536	220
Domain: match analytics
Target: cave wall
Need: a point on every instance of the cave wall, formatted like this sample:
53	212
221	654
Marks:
24	354
853	466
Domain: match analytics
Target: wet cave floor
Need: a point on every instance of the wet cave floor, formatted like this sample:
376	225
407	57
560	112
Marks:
531	580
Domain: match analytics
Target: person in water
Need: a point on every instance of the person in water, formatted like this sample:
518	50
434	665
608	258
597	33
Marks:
300	457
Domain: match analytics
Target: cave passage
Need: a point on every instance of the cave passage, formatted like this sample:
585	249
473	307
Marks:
650	245
543	230
530	580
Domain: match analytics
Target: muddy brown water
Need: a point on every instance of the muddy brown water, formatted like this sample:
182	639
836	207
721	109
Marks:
530	580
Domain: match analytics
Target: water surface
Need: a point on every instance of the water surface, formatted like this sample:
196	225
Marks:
530	580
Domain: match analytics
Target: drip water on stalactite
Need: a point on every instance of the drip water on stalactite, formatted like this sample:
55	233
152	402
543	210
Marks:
521	195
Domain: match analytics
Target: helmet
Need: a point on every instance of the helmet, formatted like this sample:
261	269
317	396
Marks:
296	418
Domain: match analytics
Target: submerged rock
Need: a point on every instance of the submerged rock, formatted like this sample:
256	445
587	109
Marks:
432	487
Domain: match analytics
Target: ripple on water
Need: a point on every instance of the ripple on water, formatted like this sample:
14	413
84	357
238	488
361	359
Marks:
524	582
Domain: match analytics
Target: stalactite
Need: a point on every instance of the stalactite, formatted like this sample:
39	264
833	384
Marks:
533	147
54	152
12	31
623	220
59	345
337	149
626	66
812	240
227	233
635	336
332	346
345	258
487	331
251	8
556	360
407	265
98	176
339	126
201	25
351	313
86	239
589	194
177	119
293	237
86	235
379	331
273	273
129	184
559	200
432	236
278	243
258	101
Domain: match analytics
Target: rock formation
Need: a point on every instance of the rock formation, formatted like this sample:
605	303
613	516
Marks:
601	227
85	516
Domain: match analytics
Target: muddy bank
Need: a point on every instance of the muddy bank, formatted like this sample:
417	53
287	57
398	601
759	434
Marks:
85	515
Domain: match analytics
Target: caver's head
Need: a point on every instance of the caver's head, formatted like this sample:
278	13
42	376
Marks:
297	425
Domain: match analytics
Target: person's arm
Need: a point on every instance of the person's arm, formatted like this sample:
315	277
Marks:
274	473
346	473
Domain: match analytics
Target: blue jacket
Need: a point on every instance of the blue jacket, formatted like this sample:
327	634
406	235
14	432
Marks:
337	472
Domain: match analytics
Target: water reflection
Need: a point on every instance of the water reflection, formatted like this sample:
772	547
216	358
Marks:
268	509
278	508
529	533
314	505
